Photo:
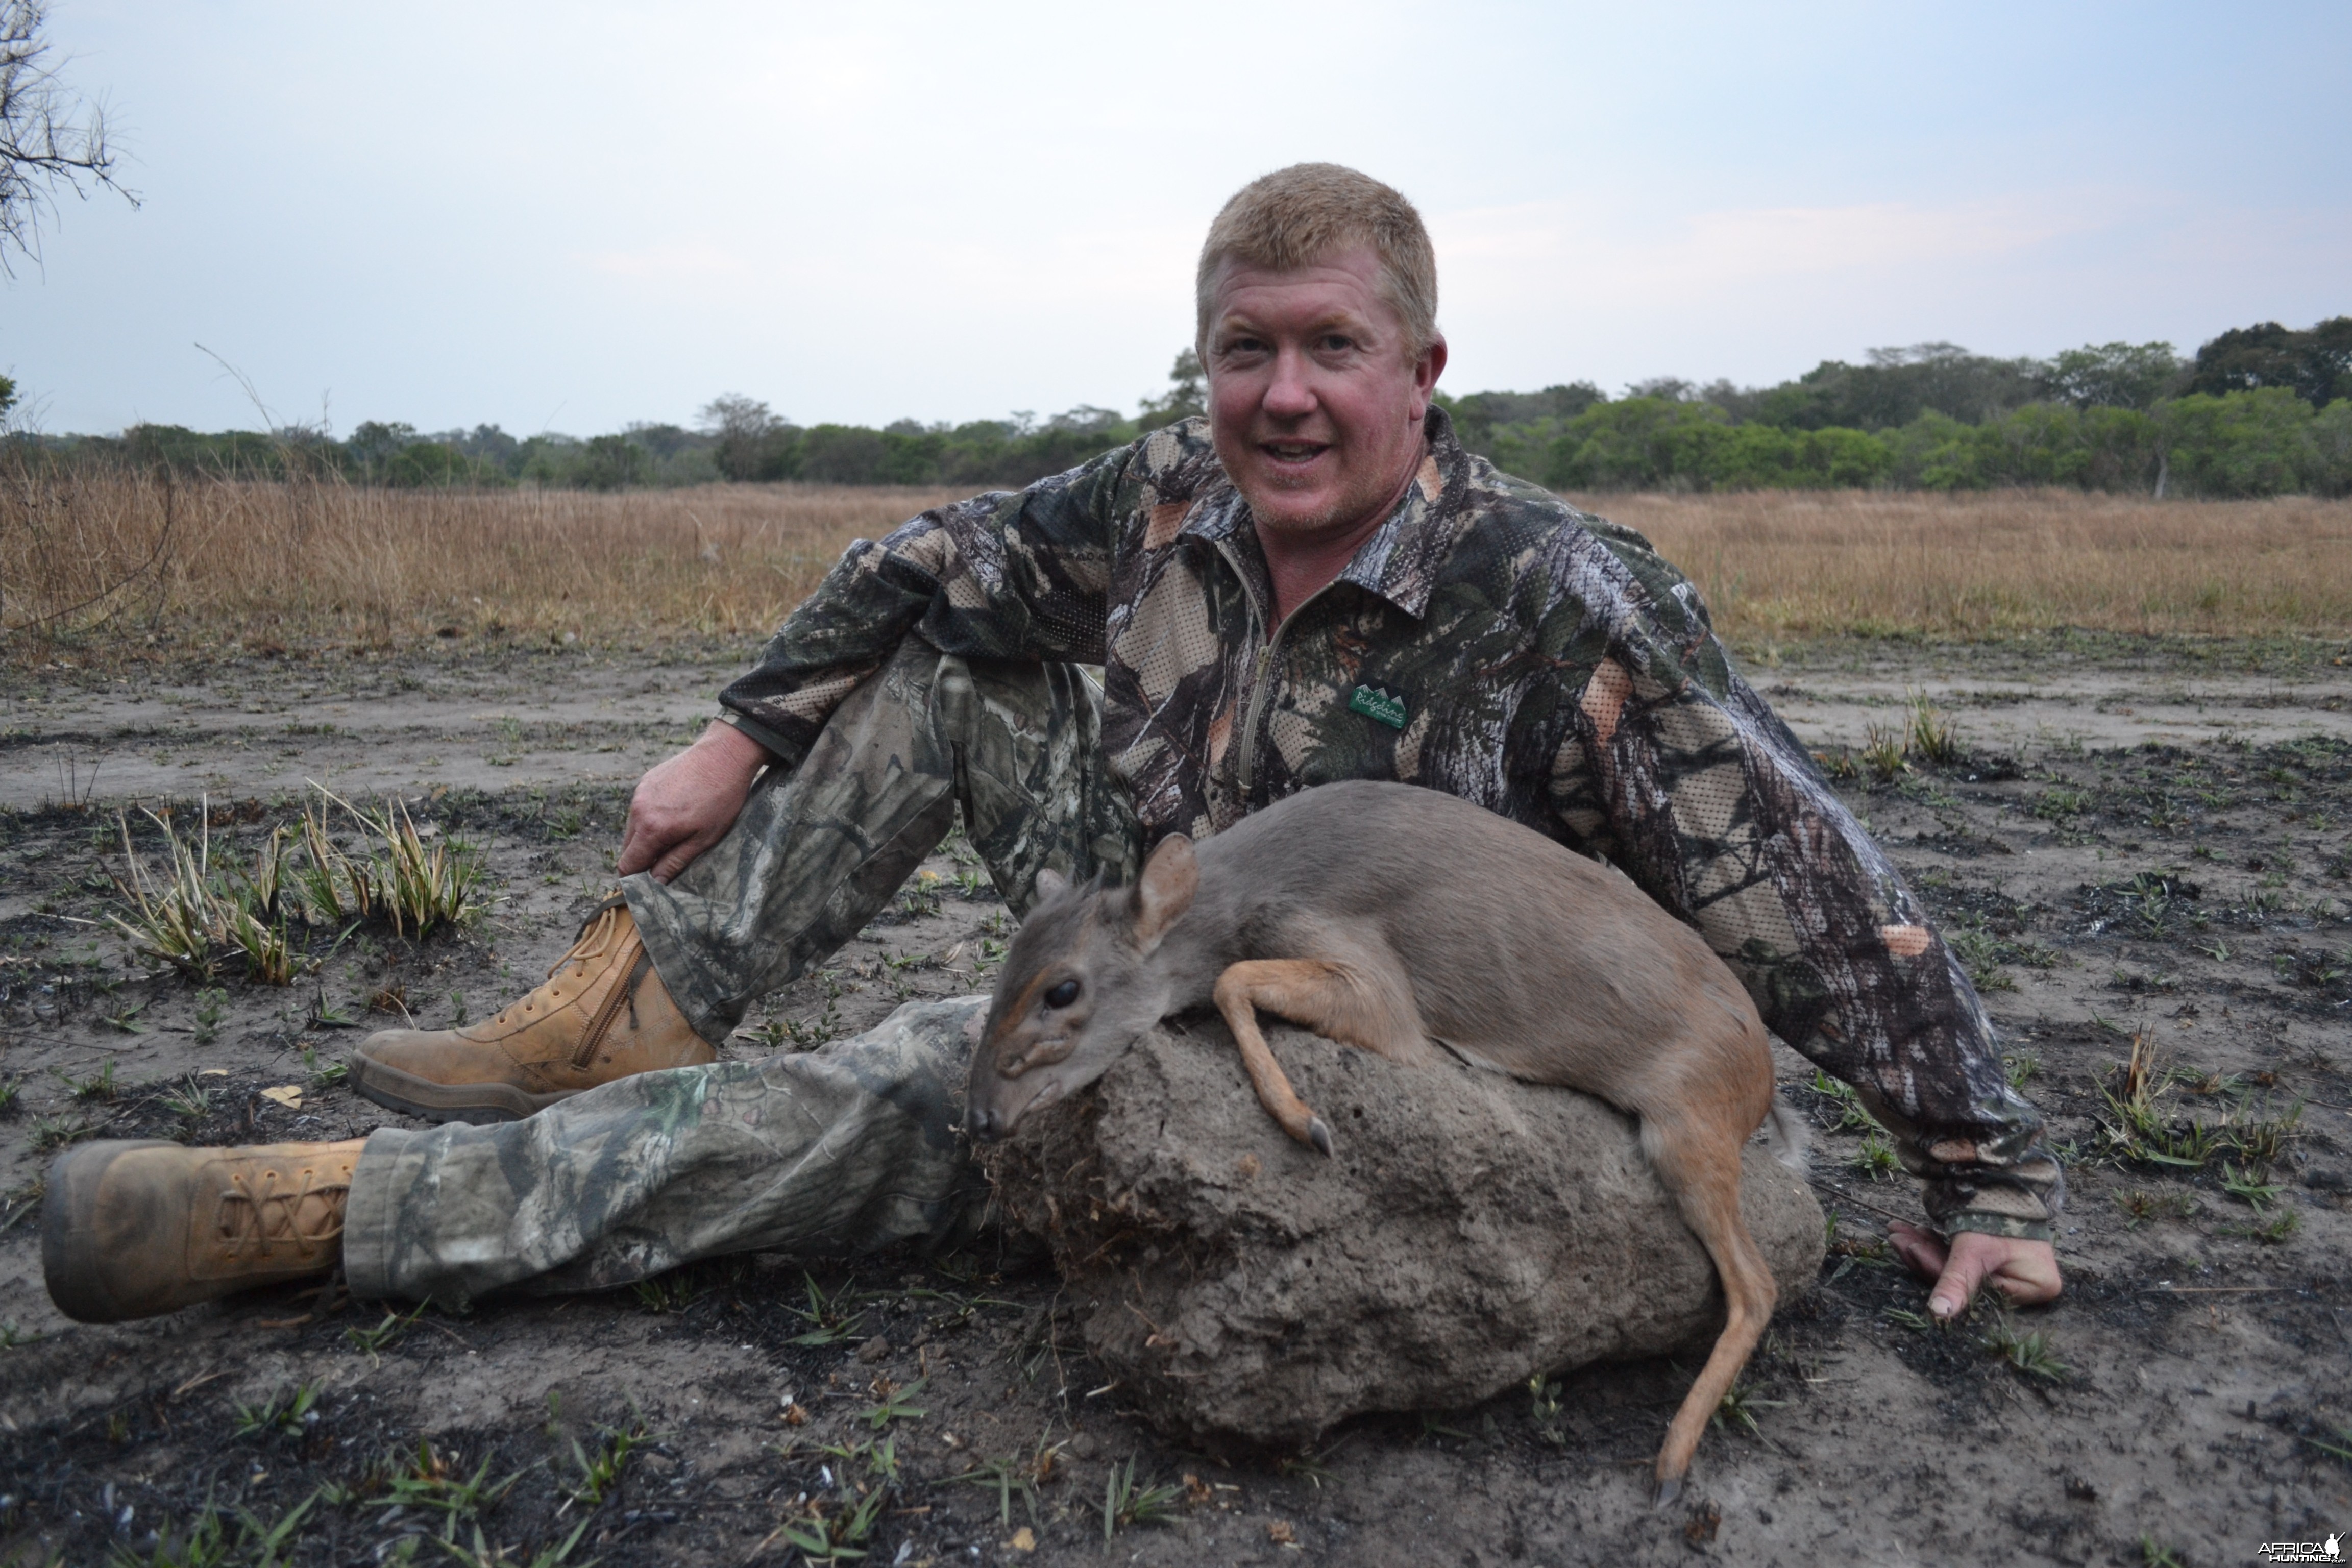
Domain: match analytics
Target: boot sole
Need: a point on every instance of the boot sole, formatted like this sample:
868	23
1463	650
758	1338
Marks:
477	1104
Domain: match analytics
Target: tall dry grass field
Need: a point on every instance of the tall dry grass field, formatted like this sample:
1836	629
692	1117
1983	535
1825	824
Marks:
1805	563
96	559
99	563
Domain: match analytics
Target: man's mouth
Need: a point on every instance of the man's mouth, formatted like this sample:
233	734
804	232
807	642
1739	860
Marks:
1294	452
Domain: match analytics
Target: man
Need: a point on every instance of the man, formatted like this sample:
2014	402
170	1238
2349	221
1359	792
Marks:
1314	583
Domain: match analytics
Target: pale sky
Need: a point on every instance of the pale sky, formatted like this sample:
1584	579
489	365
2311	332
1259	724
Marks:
574	216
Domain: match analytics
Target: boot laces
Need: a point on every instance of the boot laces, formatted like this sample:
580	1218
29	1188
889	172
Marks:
595	939
273	1218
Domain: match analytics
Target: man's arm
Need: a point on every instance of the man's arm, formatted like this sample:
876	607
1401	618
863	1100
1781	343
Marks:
1004	575
1678	771
1019	574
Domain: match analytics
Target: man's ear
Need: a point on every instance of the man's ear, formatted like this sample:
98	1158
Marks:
1051	884
1170	878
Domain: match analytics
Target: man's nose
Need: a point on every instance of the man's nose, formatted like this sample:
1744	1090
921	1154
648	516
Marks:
1289	395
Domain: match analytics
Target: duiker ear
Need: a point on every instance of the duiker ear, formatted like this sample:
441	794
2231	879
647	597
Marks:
1170	878
1051	884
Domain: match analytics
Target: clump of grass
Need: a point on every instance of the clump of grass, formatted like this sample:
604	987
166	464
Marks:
833	1537
1125	1503
1877	1158
2142	1128
832	1320
893	1405
2140	1205
206	1540
193	914
1980	954
1851	1116
1544	1402
175	916
2059	805
98	1085
1932	735
211	1006
1883	748
191	1101
55	1132
600	1471
373	1343
431	1480
1738	1407
290	1414
2028	1355
1009	1475
2253	1187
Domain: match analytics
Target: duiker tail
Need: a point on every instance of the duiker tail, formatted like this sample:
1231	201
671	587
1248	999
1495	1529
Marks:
1786	1132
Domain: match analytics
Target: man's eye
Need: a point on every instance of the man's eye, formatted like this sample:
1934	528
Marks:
1062	995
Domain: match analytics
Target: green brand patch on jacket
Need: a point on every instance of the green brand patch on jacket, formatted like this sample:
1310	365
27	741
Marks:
1377	702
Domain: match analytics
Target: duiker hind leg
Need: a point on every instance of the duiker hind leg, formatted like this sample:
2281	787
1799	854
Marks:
1695	1149
1338	1001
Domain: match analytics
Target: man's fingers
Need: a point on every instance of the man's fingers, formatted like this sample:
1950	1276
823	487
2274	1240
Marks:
1916	1248
682	855
1964	1270
2029	1273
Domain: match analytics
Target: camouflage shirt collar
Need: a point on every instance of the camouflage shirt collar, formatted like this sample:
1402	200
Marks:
1399	560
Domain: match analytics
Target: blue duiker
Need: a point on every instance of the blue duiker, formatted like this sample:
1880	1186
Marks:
1409	923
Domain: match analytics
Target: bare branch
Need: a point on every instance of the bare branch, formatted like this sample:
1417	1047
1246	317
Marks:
50	140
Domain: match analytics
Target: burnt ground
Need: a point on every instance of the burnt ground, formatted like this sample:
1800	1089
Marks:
2130	840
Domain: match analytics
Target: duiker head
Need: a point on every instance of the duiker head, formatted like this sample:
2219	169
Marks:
1077	987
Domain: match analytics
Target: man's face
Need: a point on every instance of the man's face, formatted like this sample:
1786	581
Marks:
1314	400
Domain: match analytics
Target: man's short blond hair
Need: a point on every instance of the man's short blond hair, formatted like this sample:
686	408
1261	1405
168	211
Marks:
1299	216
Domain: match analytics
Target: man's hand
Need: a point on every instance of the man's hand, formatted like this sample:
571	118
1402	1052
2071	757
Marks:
2026	1273
686	804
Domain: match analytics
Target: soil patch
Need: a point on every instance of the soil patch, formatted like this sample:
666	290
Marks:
2189	1395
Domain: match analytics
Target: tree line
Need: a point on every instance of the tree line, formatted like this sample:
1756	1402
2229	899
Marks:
2260	410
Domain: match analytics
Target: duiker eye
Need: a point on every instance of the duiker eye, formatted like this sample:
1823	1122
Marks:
1062	995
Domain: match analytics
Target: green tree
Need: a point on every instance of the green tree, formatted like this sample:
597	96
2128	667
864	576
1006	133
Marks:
2316	365
1187	395
2255	443
1899	385
611	463
2115	375
752	443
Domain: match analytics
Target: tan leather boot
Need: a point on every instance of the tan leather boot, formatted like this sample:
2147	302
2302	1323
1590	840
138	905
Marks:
602	1014
132	1229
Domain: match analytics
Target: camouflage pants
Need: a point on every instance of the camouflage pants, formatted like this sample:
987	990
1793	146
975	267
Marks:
843	1150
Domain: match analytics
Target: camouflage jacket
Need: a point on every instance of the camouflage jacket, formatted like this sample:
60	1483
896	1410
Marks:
1488	640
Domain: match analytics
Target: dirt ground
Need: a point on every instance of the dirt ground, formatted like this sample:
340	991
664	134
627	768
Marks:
2130	838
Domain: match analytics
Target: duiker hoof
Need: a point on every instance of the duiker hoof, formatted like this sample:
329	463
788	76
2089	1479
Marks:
1669	1489
1319	1134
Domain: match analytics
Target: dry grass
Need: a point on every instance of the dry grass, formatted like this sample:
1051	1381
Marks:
102	561
1807	563
118	563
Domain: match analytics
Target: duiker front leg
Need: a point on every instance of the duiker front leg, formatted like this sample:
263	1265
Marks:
1339	1001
